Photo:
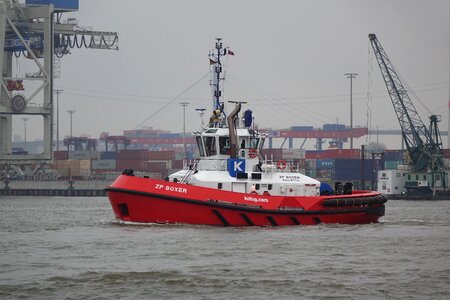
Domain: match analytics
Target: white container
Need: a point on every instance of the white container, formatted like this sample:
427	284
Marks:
391	182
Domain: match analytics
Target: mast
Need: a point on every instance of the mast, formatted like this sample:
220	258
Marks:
214	60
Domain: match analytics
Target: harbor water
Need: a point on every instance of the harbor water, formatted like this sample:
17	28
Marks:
73	248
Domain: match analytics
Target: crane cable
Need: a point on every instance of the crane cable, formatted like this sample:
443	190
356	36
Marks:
171	101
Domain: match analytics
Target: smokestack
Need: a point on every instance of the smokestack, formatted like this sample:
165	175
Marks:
232	129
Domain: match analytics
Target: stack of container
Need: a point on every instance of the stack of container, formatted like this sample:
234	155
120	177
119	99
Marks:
84	155
73	168
60	155
132	159
325	168
393	158
160	162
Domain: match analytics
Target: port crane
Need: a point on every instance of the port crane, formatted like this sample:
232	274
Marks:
34	30
423	144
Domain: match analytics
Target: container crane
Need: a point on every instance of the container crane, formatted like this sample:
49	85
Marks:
424	145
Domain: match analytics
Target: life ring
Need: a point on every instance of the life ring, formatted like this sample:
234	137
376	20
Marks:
282	164
252	153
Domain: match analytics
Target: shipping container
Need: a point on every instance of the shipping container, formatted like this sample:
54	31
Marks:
392	164
108	155
84	155
333	127
391	182
141	155
288	154
170	135
310	164
334	153
350	169
157	166
74	168
394	155
104	164
446	152
302	128
325	173
60	155
161	155
325	163
299	163
177	164
137	165
311	173
60	5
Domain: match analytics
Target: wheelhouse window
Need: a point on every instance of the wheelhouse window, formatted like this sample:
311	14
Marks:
201	150
210	145
224	145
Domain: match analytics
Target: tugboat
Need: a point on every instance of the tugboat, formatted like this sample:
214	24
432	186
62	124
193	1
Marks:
233	184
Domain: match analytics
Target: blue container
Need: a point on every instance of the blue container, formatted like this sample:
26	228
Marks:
108	155
394	155
333	127
60	5
350	169
302	128
326	163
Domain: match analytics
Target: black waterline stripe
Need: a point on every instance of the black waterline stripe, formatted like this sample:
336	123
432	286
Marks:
247	219
222	218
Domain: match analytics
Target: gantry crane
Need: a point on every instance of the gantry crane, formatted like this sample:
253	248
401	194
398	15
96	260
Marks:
424	145
34	30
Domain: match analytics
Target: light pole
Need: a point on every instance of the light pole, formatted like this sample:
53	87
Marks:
57	117
351	76
377	136
184	104
71	112
25	132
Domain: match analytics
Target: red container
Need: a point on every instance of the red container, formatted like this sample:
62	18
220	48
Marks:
137	165
156	167
164	174
177	164
161	155
60	155
132	155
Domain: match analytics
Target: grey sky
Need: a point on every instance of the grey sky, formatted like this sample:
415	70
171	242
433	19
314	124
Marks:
290	57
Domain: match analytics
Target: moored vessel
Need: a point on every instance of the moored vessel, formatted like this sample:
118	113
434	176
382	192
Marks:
232	184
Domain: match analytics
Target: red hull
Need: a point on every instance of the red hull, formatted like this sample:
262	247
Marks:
155	201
